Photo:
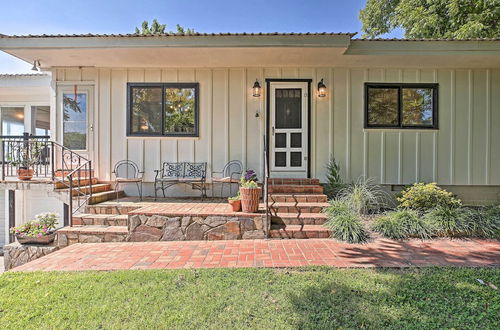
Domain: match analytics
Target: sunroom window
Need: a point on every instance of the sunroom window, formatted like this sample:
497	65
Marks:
401	105
163	109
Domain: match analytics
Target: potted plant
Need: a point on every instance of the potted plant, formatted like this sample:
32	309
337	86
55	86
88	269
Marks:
41	230
24	157
250	192
235	202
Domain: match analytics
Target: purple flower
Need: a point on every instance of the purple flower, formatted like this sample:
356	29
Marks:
250	175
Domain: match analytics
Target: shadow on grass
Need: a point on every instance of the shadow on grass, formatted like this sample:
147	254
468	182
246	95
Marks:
396	298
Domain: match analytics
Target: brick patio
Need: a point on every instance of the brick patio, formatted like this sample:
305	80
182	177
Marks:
269	253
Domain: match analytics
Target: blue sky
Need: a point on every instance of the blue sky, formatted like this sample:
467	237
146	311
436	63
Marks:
113	16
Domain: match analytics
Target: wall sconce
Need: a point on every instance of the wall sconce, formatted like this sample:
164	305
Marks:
321	89
256	89
35	66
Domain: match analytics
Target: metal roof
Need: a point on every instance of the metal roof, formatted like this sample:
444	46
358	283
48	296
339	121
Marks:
196	34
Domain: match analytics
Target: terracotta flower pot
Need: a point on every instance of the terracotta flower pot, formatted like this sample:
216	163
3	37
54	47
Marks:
250	198
25	174
235	205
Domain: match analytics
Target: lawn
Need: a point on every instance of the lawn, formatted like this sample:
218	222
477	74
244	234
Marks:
320	298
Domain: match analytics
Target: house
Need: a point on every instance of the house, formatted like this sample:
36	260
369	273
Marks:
398	111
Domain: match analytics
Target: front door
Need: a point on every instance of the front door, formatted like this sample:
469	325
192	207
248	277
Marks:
288	129
76	115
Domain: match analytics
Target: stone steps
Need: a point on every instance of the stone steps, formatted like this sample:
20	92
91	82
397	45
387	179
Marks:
295	219
96	188
110	209
82	173
310	198
90	234
291	207
88	219
105	196
295	188
299	232
288	181
83	182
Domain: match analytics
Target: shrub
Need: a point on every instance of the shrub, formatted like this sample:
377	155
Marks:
403	224
451	221
484	222
424	197
348	227
364	197
344	223
333	179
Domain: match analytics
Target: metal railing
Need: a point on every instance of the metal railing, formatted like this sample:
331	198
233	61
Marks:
51	161
266	186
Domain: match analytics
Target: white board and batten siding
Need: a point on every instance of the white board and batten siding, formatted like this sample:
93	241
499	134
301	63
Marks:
465	150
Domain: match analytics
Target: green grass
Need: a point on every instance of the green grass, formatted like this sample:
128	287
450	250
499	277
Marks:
319	298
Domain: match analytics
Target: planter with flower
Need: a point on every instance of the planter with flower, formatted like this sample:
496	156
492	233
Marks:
250	192
41	230
235	202
25	156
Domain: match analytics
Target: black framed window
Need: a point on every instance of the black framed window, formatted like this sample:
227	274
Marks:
162	109
390	105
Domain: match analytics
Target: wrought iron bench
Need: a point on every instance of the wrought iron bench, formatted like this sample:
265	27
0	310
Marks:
193	174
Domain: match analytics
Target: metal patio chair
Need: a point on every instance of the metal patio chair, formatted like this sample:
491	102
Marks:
126	171
230	175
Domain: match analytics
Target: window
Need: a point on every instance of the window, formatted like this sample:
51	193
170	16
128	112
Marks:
12	120
75	120
401	105
162	109
40	120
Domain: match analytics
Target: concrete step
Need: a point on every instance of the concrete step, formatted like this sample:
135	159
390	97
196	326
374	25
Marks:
83	182
110	209
82	172
292	189
299	232
90	234
310	198
303	207
88	219
105	196
85	190
287	181
295	219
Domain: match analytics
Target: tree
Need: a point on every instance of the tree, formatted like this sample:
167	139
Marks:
448	19
157	28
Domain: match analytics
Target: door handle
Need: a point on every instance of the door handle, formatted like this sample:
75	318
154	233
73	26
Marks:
272	130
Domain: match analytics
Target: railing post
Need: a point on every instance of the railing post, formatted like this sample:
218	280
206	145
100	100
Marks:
90	180
53	160
3	160
70	216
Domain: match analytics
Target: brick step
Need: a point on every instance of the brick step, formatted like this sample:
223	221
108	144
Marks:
87	219
110	209
277	181
83	173
85	190
295	219
83	182
291	207
91	234
298	232
310	198
105	196
292	189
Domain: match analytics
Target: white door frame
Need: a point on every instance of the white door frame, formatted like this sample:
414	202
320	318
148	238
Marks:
289	171
89	90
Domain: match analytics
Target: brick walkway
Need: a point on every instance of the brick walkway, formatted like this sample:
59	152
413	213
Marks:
269	253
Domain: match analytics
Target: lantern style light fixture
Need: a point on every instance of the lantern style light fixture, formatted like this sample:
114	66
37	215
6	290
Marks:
35	66
321	89
256	88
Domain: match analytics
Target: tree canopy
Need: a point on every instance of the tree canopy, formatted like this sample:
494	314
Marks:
157	28
434	19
